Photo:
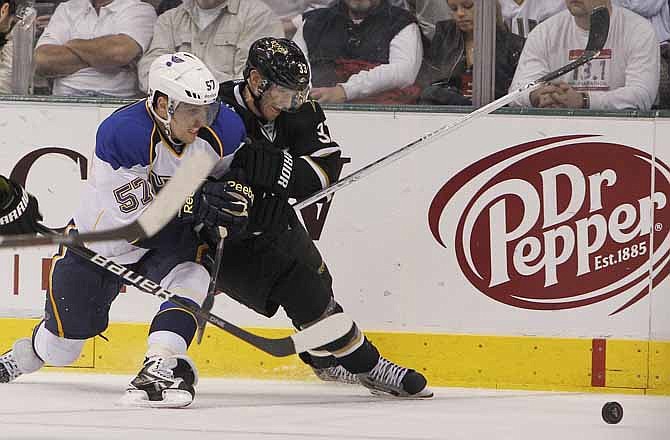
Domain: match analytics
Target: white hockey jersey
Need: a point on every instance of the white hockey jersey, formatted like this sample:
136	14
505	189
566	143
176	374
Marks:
132	161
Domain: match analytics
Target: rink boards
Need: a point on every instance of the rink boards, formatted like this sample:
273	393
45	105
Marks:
517	252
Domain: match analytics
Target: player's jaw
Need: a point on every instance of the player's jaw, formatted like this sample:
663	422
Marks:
186	133
270	110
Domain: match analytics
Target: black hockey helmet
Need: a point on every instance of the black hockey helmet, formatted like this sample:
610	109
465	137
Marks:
279	61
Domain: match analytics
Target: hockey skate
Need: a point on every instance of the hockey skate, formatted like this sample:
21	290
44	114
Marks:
9	369
389	379
21	359
336	373
327	369
163	382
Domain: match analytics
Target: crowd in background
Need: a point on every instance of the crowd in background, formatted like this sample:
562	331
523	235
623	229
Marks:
360	51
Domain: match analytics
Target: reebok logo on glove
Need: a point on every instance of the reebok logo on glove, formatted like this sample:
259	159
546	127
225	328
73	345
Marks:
242	189
286	170
189	205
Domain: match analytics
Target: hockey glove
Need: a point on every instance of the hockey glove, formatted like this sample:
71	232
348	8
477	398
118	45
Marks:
270	214
225	202
19	212
266	166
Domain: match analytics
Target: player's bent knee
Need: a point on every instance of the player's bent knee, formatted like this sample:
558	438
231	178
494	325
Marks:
54	350
188	280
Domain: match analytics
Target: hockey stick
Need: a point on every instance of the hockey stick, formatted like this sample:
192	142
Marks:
317	335
186	180
600	22
211	291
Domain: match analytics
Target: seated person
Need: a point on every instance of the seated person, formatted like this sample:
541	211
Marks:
451	57
521	16
7	21
362	51
91	47
428	13
656	11
658	14
624	76
219	32
290	11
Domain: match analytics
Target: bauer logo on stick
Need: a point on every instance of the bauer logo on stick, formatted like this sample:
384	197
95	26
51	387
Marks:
558	223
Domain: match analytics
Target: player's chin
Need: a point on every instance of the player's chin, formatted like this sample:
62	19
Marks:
188	137
271	113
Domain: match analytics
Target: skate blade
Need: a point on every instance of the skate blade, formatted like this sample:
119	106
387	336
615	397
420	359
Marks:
426	393
172	398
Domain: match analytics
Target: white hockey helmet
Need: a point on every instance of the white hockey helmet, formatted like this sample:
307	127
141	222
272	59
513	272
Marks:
183	78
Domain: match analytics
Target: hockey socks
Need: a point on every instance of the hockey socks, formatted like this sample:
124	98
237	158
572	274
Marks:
174	319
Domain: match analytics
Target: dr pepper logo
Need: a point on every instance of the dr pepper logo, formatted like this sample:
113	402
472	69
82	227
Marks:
559	223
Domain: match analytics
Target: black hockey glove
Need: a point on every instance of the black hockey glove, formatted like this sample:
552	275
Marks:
266	166
19	212
270	214
221	203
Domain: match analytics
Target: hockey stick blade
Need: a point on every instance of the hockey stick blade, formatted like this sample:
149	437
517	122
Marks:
600	23
186	180
315	336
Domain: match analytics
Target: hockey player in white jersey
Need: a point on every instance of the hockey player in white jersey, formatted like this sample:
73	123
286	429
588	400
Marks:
137	149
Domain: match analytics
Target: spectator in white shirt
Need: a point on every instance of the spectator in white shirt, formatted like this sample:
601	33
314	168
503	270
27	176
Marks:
656	11
7	20
624	76
658	14
362	50
521	16
90	47
290	11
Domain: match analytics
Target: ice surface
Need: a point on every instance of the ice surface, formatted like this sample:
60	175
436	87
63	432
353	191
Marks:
58	406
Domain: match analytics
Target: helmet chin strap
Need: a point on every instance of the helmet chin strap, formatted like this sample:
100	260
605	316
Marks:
167	131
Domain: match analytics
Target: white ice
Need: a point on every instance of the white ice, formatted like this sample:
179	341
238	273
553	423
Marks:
81	406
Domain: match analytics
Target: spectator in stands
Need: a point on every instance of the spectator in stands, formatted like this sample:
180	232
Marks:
166	5
658	13
451	57
7	21
362	51
624	76
521	16
428	13
45	10
90	47
219	32
290	11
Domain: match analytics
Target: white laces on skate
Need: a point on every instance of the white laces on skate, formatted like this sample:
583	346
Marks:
388	373
160	368
336	374
9	369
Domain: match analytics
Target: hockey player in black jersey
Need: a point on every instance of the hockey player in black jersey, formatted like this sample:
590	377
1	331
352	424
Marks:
290	155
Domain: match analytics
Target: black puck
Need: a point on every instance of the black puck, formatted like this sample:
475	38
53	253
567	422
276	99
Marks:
612	412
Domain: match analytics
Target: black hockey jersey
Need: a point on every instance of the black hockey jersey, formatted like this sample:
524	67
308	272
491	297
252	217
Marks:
304	134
